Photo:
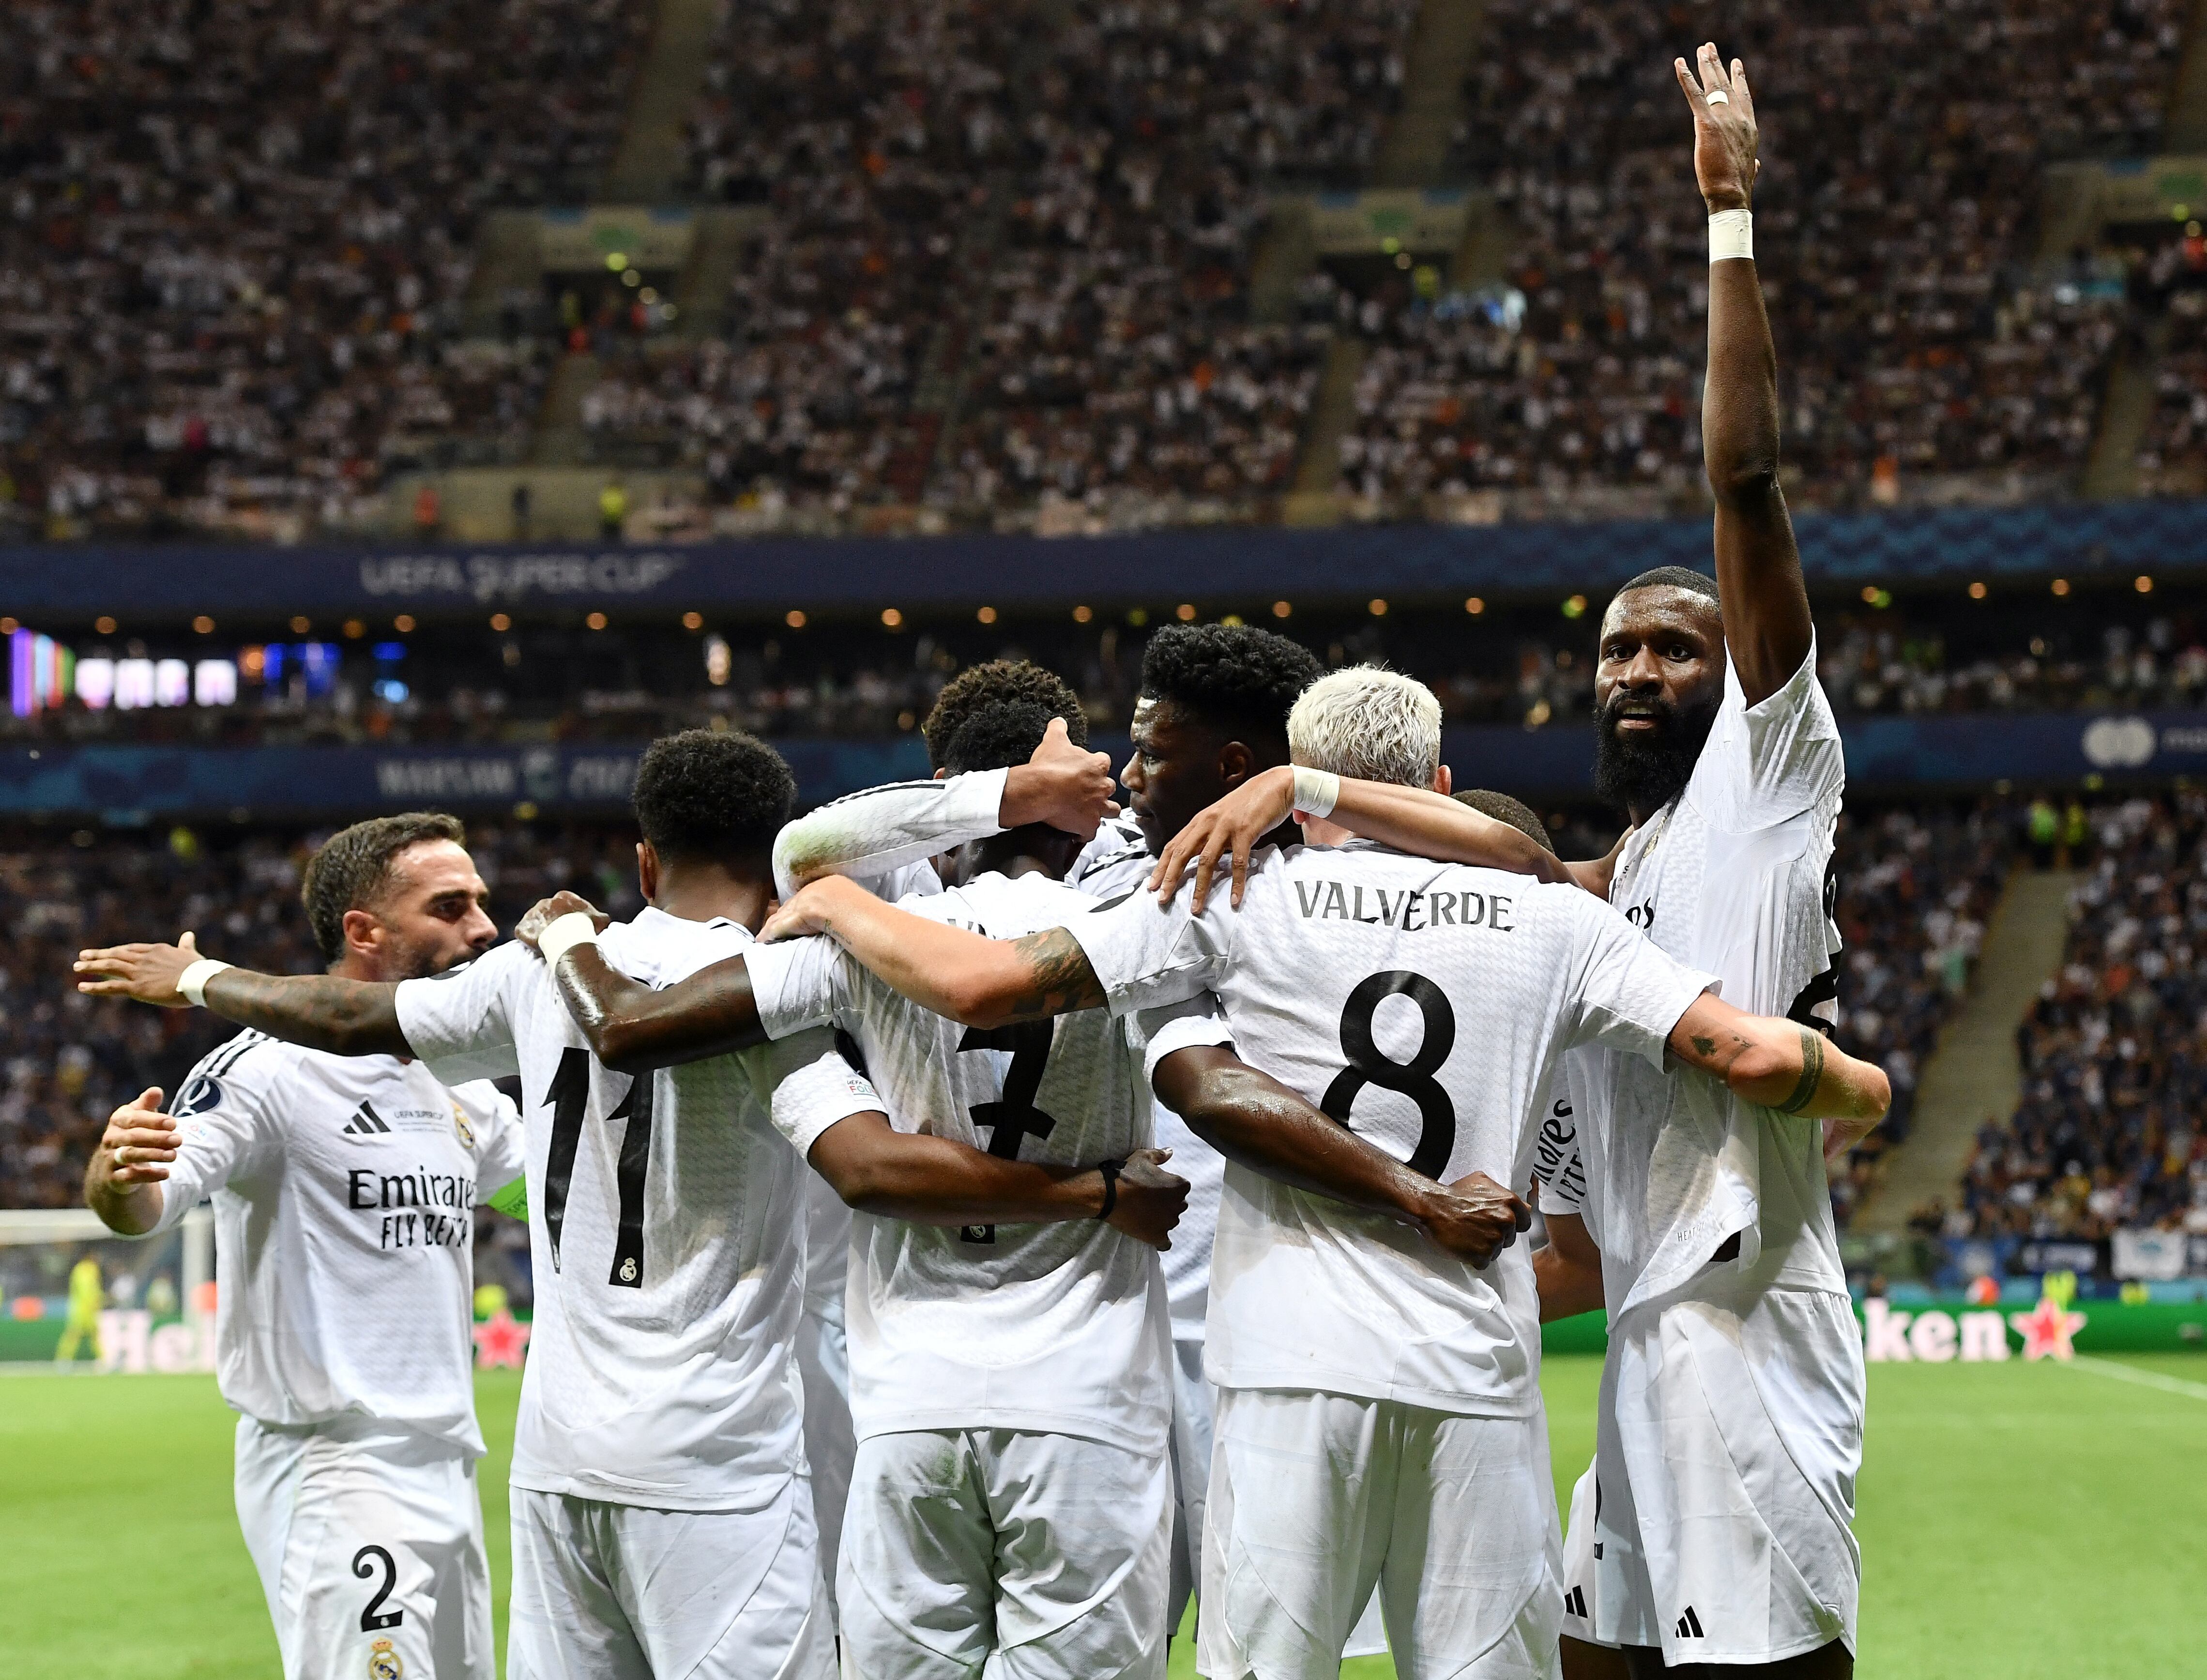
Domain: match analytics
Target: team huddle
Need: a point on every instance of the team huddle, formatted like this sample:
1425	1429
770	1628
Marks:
967	1222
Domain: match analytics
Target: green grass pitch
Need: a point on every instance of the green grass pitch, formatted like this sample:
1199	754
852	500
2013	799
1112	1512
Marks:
2018	1522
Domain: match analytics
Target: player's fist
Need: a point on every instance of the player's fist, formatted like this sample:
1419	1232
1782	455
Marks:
149	973
1066	786
1725	138
545	912
1151	1200
1475	1218
140	1140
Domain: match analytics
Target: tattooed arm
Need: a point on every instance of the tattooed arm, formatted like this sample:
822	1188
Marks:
319	1011
1782	1065
980	982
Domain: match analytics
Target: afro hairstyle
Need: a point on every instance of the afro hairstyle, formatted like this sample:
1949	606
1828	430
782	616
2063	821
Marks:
1233	676
997	736
355	864
999	682
711	794
1504	809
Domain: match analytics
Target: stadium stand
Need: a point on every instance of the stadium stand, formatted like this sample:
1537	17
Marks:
2114	1059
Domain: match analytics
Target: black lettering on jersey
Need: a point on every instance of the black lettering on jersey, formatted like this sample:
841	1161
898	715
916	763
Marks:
1642	916
568	1096
1413	1079
1015	1116
1825	988
375	1616
636	1107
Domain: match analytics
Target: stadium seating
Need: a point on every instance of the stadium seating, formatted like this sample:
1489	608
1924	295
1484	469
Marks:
2107	1133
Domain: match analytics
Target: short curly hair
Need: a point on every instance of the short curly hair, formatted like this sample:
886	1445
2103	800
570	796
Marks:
1000	682
1504	809
354	866
712	794
1233	676
997	736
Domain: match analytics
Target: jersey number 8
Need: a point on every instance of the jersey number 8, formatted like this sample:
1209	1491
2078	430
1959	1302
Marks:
1414	1078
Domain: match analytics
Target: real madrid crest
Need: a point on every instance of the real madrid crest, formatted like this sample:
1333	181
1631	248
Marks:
628	1270
382	1662
467	1132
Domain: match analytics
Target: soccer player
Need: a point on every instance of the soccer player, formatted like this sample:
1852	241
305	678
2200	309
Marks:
344	1194
662	1525
1381	1420
1212	713
86	1296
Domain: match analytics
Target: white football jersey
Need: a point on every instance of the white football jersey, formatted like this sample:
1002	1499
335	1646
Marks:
344	1190
1059	1328
1426	1006
665	1231
1733	876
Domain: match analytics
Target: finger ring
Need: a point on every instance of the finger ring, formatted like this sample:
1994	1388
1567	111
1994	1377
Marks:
1719	97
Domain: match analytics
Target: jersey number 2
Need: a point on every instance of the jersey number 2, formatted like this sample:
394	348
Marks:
1414	1078
569	1096
375	1616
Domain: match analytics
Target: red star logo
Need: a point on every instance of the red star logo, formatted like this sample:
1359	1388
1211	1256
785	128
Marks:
500	1339
2045	1330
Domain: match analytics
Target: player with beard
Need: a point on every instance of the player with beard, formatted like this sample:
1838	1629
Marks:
344	1192
1715	1527
1213	713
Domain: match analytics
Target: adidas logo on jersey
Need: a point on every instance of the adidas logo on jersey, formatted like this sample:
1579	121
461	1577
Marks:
365	1122
1574	1603
1689	1625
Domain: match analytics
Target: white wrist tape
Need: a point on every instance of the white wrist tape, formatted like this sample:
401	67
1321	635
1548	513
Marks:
564	933
1317	792
1731	233
191	982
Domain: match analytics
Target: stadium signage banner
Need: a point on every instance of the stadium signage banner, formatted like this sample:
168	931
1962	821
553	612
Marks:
2117	539
131	782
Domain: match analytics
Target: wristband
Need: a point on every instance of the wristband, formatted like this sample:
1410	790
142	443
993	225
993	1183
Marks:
564	933
1731	233
1110	1170
1317	792
191	982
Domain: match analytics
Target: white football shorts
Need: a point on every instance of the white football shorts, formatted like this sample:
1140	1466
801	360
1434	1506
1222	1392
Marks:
823	1361
1315	1498
1026	1556
607	1592
369	1544
1727	1447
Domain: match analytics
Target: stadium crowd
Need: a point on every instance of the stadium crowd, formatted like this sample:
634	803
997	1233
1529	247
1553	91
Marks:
2115	1054
234	242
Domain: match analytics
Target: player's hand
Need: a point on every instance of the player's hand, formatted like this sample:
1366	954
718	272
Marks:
1724	133
147	972
545	912
1475	1218
1150	1199
140	1140
1066	786
811	909
1235	823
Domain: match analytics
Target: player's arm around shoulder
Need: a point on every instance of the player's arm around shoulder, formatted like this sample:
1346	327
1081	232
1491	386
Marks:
630	1027
320	1012
1784	1065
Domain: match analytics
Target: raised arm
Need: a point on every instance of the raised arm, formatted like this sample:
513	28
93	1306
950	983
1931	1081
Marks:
1784	1065
1257	1123
319	1011
1767	627
1418	820
929	1180
885	828
980	982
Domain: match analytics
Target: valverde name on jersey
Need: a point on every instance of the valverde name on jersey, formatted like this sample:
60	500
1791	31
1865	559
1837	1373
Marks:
1412	910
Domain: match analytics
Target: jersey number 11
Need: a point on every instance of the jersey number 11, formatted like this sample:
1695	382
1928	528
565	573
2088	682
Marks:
569	1097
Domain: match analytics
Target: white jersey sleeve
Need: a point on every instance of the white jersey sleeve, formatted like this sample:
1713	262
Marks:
226	1114
799	984
877	835
1146	955
809	1084
461	1022
1556	1160
1158	1032
501	1147
1766	762
1628	992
